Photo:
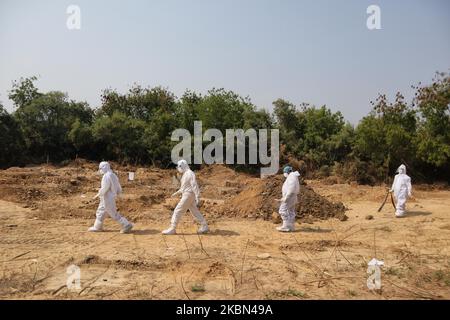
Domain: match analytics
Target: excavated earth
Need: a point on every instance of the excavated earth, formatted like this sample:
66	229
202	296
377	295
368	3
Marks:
45	212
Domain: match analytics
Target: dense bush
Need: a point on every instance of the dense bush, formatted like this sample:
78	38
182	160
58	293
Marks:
11	140
136	127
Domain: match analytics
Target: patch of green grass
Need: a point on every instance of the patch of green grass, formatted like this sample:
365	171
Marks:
394	272
442	276
198	288
352	293
286	293
295	293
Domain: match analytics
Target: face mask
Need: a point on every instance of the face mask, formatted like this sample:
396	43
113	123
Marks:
286	175
100	172
180	170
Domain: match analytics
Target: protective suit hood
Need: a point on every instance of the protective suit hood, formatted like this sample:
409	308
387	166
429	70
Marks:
110	181
401	169
188	180
287	169
182	166
104	167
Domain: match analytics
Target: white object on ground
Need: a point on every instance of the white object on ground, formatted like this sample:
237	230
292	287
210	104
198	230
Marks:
263	256
375	262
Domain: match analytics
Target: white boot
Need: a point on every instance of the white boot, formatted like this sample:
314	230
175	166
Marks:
97	227
399	214
284	227
127	228
291	226
203	229
170	231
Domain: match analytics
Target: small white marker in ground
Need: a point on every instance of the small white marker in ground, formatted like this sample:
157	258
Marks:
374	271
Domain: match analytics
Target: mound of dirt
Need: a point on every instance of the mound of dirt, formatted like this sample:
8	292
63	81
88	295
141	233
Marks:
220	182
258	200
65	192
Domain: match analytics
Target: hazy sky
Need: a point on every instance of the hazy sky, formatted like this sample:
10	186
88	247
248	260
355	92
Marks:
304	51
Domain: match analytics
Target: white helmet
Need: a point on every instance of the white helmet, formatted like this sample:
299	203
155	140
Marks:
182	166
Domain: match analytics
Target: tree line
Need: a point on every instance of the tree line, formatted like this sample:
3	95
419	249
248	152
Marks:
135	127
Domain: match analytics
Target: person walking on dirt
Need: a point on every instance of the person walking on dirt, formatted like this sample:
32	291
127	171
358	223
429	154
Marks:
110	188
190	194
290	191
402	190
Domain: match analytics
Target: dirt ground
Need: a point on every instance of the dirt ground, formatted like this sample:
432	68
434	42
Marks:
46	210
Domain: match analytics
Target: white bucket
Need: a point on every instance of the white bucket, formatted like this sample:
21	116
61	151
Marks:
130	176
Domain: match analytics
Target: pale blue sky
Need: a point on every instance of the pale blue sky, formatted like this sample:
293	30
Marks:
304	51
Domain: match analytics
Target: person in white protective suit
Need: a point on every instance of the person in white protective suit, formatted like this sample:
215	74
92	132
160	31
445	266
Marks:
190	194
402	190
110	188
290	191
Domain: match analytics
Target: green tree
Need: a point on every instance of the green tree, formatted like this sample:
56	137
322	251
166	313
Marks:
137	126
221	109
433	137
11	140
320	128
46	122
385	138
120	138
151	114
157	138
24	91
188	110
315	135
81	136
291	130
138	103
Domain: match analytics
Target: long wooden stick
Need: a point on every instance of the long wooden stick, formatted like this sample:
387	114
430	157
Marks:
384	202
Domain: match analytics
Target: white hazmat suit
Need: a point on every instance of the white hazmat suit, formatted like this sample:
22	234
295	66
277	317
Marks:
110	188
290	191
402	190
190	193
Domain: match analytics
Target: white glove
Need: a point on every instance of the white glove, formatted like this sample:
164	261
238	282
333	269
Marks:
175	194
